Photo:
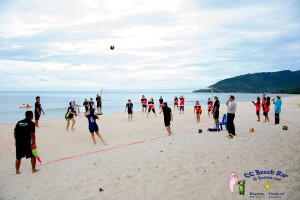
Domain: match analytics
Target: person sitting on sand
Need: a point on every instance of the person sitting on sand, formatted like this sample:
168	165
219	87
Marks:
129	108
70	116
167	117
151	107
93	127
257	107
24	134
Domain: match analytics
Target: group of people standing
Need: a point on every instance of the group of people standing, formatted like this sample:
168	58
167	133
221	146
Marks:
265	104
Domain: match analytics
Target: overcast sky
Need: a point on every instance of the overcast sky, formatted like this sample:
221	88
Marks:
166	44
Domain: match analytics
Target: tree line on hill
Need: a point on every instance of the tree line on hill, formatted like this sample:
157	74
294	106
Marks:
285	81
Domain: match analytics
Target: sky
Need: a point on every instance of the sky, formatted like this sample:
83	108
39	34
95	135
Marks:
64	45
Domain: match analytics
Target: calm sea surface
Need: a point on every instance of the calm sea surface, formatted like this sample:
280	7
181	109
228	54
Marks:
55	104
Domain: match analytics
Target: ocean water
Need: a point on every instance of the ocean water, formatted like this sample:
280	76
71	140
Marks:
55	104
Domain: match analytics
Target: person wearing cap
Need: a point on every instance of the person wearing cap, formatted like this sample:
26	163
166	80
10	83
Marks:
144	104
277	108
216	110
167	117
93	127
181	104
129	108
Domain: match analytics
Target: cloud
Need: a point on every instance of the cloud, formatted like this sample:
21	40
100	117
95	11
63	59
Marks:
170	44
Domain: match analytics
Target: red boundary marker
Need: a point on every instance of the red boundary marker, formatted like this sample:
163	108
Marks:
102	150
6	145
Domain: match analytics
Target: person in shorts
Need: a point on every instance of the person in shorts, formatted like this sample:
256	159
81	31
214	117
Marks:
24	134
38	110
167	117
70	116
181	104
257	107
129	108
99	104
151	107
216	111
209	107
144	104
93	127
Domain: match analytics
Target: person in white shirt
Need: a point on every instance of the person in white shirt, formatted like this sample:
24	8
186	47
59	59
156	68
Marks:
231	109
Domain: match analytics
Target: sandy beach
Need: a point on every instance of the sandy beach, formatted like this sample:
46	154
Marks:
141	162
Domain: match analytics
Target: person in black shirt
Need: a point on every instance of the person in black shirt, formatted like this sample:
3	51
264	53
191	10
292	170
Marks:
129	108
24	134
86	106
167	117
37	110
92	104
99	104
161	102
70	116
216	110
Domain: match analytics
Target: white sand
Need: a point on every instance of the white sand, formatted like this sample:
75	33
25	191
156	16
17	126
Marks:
187	165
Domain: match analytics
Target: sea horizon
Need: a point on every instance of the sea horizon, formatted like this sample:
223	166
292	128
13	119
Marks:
55	103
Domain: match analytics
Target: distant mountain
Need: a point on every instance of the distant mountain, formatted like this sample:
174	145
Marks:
269	82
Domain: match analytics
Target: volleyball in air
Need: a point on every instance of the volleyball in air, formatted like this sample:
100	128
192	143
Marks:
112	47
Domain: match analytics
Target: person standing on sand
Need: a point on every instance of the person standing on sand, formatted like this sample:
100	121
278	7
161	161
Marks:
86	106
24	135
144	104
129	108
92	104
257	108
161	101
175	102
277	108
231	109
99	104
216	110
93	127
151	107
209	106
167	117
267	109
198	110
70	116
38	110
181	103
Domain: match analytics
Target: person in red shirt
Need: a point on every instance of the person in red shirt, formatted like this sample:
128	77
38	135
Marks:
209	107
257	107
267	109
151	107
198	110
181	103
144	104
175	102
